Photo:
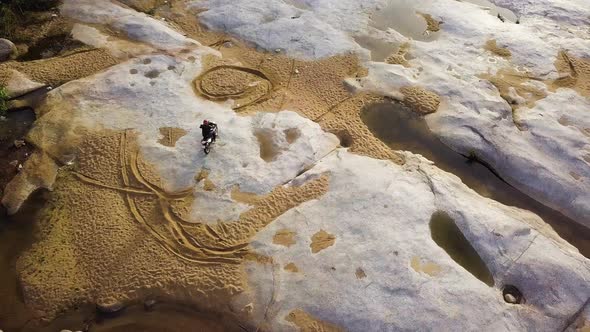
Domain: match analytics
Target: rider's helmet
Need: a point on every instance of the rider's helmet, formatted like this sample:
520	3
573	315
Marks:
205	122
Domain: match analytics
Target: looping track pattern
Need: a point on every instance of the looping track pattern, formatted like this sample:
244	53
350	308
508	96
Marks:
259	90
171	233
163	214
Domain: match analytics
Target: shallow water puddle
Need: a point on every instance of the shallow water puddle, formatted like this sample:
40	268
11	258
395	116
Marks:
13	128
401	16
16	124
161	317
494	10
402	129
291	135
268	149
379	49
448	236
16	235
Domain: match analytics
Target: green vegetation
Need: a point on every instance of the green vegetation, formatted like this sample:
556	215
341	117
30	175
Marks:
3	99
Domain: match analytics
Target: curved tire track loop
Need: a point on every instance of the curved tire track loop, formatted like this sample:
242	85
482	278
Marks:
176	239
198	83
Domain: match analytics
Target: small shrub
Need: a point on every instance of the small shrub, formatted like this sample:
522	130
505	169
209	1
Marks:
3	99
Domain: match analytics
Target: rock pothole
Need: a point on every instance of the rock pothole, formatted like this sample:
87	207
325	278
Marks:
401	129
152	73
269	149
360	273
292	134
379	48
512	295
345	138
447	235
401	17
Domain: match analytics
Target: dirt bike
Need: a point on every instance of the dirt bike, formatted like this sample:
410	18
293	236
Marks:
206	142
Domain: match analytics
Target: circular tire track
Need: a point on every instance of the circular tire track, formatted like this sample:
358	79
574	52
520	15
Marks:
249	90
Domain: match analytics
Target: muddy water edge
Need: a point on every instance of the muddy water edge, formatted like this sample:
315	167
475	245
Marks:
402	129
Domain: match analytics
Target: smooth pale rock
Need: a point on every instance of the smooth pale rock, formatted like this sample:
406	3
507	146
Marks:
8	50
382	227
135	25
117	99
119	48
510	298
377	212
582	322
472	117
39	171
19	84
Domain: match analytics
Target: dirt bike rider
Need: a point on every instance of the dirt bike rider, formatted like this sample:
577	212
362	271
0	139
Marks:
209	129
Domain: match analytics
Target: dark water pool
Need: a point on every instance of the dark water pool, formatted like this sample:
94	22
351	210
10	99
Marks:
401	129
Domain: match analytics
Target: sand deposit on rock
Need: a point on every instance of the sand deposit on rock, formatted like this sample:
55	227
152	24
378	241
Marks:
59	70
267	81
344	120
313	88
112	186
285	238
321	240
493	47
275	81
399	58
291	267
146	240
171	135
307	323
575	73
360	273
432	23
420	100
512	84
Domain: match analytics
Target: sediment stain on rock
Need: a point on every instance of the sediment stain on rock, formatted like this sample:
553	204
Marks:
291	267
424	266
116	189
284	237
575	73
170	135
360	273
307	323
321	240
493	47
